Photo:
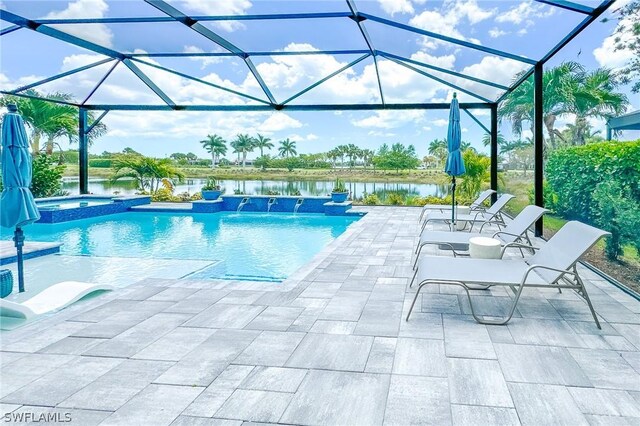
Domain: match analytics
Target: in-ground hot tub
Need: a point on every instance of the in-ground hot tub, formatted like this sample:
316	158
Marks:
63	209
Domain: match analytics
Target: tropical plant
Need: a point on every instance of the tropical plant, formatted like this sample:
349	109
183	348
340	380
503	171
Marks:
51	120
148	172
339	186
477	173
287	148
243	145
371	200
262	143
216	146
367	157
438	149
212	184
46	179
486	139
399	157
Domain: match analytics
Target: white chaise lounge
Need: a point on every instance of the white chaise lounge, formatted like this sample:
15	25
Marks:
56	297
491	215
553	266
474	207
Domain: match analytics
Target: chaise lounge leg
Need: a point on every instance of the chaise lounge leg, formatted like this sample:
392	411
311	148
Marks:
502	321
585	295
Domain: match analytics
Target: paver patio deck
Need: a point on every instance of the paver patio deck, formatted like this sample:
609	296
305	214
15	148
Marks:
330	346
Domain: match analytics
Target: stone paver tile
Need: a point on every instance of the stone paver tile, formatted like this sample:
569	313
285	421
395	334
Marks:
465	338
380	318
540	364
156	405
417	400
420	357
204	363
544	332
223	315
391	292
274	379
140	292
605	402
105	310
542	405
71	345
332	352
8	408
422	325
208	402
345	306
472	415
44	338
118	323
53	388
321	290
129	342
241	297
232	376
65	415
589	327
596	420
537	307
630	332
606	369
197	302
381	356
275	318
112	390
173	294
331	397
175	344
272	348
333	327
204	421
633	358
572	310
31	367
492	306
255	406
477	382
9	357
499	334
440	303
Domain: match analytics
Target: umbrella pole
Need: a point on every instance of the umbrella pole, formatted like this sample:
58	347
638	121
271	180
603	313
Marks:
453	202
18	238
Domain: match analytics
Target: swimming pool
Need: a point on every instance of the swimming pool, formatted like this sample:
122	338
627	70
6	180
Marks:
73	203
248	246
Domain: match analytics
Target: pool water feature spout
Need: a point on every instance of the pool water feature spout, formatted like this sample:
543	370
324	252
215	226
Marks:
244	201
298	204
270	203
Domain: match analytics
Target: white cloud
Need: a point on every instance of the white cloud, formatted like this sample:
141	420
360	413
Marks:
218	7
279	121
396	6
390	119
97	33
522	31
524	12
379	134
607	56
446	20
464	130
312	137
204	60
440	122
495	32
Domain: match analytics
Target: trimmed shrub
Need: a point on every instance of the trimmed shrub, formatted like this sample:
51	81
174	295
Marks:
371	200
574	173
100	162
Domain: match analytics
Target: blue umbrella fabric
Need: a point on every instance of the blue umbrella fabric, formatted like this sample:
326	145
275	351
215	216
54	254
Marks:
18	206
455	163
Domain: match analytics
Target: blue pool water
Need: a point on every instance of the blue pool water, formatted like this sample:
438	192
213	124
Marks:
247	245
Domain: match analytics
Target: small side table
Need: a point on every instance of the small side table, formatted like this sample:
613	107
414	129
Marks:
484	248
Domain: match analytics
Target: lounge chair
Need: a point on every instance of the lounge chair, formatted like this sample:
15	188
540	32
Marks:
475	206
56	297
553	266
491	215
515	231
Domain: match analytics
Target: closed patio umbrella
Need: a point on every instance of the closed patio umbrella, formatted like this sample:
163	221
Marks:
18	206
455	163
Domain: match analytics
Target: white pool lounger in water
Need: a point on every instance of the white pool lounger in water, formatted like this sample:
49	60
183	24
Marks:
56	297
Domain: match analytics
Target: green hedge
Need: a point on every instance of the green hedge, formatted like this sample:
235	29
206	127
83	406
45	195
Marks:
100	162
598	184
574	173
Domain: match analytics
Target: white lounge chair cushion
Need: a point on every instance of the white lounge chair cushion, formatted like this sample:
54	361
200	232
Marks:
53	298
475	271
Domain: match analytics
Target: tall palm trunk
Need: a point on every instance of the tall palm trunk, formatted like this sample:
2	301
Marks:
213	160
35	142
244	158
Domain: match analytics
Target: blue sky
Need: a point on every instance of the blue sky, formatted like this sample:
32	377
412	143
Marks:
525	28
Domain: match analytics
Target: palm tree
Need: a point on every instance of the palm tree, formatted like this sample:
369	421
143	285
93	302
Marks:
486	139
216	146
594	96
367	157
244	144
262	143
438	148
558	83
287	148
353	152
51	120
148	172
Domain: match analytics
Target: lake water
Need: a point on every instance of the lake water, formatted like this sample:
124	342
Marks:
260	187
